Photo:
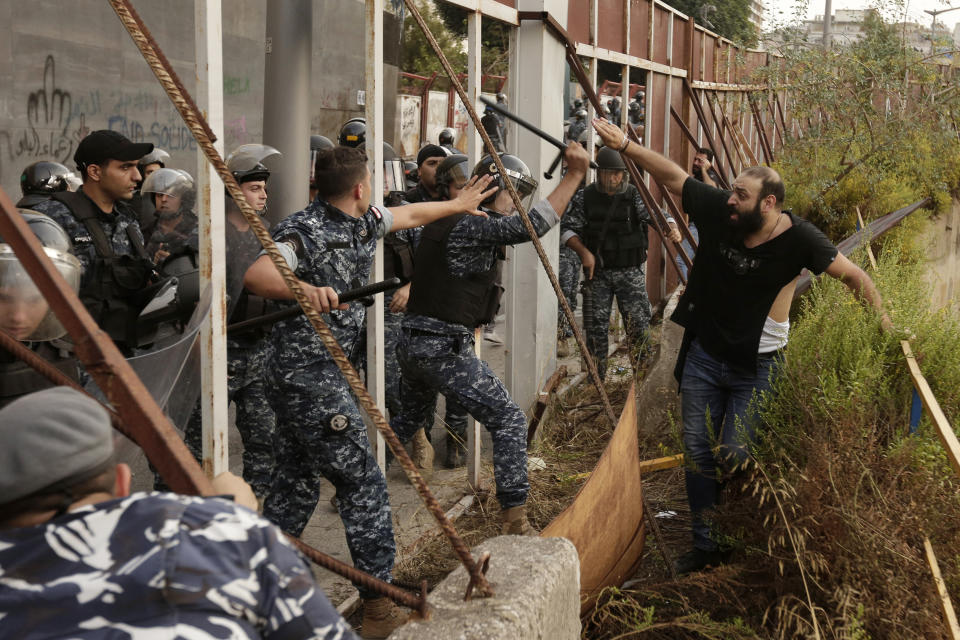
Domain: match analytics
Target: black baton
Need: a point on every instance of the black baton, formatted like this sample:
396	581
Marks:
559	144
346	296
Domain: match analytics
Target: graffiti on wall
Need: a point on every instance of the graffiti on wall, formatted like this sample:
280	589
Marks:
52	128
408	117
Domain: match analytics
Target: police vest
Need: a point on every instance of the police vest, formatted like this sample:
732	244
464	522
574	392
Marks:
18	378
397	258
614	231
111	292
472	300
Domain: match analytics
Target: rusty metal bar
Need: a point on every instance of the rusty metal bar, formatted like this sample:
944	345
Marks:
702	118
137	409
575	64
776	130
574	60
171	84
762	132
731	164
56	377
728	131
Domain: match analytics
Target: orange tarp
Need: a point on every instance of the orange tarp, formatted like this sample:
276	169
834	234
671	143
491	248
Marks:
605	520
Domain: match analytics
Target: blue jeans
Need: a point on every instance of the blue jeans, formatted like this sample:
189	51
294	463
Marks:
719	421
688	249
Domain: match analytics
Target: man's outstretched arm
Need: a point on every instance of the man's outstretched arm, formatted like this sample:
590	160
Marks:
421	213
665	171
860	284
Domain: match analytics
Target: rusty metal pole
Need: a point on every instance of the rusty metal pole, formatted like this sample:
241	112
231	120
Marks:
136	407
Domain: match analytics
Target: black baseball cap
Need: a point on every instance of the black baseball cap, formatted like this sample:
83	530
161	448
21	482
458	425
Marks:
103	145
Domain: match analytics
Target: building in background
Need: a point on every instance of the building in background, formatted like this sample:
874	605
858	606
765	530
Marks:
58	83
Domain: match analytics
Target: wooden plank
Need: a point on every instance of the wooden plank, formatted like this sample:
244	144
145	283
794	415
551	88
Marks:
948	612
939	419
661	464
746	145
873	259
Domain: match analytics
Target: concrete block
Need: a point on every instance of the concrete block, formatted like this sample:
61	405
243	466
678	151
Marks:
537	583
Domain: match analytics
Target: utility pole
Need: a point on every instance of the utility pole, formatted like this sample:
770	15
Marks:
827	20
933	25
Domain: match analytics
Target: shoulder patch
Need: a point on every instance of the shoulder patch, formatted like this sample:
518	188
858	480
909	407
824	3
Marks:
376	212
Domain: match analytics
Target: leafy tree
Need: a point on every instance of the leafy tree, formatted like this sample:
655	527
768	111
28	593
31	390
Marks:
494	38
729	18
417	56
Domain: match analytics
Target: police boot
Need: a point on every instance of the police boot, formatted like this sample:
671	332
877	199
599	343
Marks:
423	455
515	522
380	617
454	456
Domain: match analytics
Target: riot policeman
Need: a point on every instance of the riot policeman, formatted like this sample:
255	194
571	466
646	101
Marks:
635	114
330	247
493	125
353	133
578	126
25	314
446	139
454	291
40	180
614	108
246	352
105	233
428	159
318	143
607	227
156	159
173	195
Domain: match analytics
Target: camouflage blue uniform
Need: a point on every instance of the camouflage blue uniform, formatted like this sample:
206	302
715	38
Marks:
184	234
391	335
246	355
569	277
319	429
438	356
246	358
159	566
114	225
627	284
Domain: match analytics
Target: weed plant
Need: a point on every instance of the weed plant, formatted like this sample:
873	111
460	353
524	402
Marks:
827	523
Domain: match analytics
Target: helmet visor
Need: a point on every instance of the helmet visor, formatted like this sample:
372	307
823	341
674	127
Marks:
526	187
24	313
170	182
247	157
393	178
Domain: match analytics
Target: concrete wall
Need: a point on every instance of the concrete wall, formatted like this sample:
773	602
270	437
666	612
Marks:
943	257
537	584
67	68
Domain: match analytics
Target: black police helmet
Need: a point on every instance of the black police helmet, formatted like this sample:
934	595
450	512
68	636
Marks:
454	169
44	177
610	160
447	136
353	133
518	173
320	143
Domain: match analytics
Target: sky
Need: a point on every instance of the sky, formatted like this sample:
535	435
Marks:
914	9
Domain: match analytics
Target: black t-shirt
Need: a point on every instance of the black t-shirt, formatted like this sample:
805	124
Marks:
731	288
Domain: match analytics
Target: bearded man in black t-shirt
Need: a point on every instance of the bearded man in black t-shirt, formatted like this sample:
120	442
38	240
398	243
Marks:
750	252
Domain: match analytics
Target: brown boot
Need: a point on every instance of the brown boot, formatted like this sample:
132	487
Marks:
515	523
380	617
423	455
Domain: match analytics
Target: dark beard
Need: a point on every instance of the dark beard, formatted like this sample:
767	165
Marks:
746	223
167	215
